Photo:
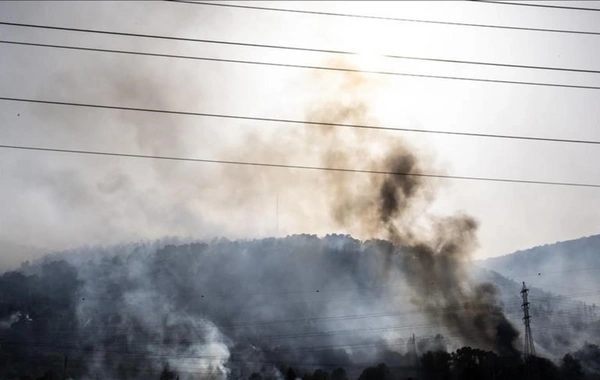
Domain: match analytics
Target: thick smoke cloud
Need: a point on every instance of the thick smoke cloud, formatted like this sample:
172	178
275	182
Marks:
435	250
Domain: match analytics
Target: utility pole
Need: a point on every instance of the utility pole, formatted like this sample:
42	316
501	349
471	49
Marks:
529	349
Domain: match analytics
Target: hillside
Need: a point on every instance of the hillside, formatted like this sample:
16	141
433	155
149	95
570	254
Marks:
569	268
239	307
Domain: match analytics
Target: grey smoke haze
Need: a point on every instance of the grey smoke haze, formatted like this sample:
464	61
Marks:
232	308
429	253
123	195
544	267
226	307
32	209
90	200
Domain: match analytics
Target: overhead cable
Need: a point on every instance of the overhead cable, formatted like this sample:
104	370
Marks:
342	69
523	4
298	167
300	122
387	18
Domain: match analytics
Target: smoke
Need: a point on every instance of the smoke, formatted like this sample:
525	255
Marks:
8	321
589	356
226	309
176	306
435	250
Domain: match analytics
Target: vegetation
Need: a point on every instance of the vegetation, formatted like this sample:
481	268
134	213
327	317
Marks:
145	313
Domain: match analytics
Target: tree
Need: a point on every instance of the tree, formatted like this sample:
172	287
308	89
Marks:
381	372
320	375
474	364
570	368
339	374
167	373
436	365
542	368
589	356
290	375
50	375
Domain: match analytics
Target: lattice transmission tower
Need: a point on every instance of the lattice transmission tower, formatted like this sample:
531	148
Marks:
529	349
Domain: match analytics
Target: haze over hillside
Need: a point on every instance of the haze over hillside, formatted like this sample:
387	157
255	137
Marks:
569	268
233	308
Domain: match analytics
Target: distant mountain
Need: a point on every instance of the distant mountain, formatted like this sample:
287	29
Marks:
560	323
570	268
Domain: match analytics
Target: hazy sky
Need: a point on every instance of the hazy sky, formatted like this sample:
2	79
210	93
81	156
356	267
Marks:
55	201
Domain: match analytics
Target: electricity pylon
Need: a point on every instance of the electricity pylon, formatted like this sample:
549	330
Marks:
529	349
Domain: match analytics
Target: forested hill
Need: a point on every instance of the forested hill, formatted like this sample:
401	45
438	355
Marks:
235	309
569	268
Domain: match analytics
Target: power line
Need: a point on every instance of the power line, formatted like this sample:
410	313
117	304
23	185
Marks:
567	296
320	333
383	314
469	333
387	18
312	67
189	356
305	49
539	273
301	122
334	318
364	290
338	318
309	334
295	48
299	167
544	286
537	5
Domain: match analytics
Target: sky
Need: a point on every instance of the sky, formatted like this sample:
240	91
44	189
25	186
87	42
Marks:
55	201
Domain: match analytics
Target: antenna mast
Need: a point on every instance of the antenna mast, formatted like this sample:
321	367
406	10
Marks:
529	349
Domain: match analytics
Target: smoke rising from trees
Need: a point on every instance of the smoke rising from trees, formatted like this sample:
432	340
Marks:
436	250
146	297
230	309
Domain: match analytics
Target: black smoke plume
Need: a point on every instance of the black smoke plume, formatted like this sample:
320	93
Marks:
435	258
